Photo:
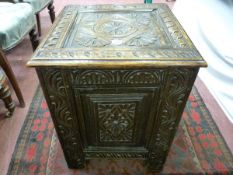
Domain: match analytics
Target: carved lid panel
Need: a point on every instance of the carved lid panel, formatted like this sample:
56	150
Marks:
138	35
128	30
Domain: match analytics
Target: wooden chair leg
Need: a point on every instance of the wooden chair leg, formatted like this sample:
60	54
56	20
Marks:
34	39
5	95
38	23
51	11
7	69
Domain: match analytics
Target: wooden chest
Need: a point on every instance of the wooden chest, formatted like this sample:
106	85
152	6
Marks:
116	79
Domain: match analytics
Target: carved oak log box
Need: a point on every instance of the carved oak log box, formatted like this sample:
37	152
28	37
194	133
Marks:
116	79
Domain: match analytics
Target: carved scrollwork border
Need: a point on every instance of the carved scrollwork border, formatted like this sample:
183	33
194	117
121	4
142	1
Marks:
134	55
57	34
174	29
118	77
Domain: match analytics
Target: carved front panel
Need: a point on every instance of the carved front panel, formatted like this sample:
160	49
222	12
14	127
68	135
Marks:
116	113
115	116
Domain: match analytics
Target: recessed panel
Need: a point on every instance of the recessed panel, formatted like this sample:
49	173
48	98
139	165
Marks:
114	117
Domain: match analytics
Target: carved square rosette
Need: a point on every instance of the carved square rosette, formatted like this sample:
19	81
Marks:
116	121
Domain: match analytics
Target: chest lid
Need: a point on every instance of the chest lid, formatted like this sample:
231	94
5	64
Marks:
117	36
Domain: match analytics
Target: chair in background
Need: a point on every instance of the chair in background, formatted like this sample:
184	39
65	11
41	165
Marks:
5	94
147	1
17	20
38	6
150	1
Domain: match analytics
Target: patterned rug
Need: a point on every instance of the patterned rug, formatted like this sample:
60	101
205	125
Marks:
198	147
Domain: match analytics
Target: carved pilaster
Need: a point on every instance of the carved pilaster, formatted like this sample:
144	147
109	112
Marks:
174	97
64	118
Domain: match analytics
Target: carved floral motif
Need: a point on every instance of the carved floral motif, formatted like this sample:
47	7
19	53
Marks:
132	29
116	122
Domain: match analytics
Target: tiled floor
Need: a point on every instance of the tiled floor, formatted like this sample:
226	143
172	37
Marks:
10	127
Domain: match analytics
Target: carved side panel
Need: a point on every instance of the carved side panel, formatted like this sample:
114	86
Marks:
174	97
64	118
